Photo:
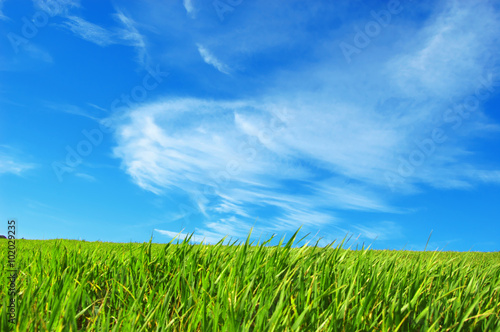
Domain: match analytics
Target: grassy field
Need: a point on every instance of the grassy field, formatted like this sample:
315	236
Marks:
67	285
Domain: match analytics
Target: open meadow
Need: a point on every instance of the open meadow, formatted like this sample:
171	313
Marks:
69	285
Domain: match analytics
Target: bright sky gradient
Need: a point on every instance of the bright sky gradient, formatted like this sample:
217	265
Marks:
377	119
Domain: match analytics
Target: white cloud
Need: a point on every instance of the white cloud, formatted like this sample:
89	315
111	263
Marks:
486	176
10	163
210	59
188	5
59	7
457	44
131	36
126	34
380	231
344	129
90	31
13	166
86	177
200	236
228	169
93	112
72	109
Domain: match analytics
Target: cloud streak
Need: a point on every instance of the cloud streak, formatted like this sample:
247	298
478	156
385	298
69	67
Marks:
126	33
89	31
210	59
10	163
188	5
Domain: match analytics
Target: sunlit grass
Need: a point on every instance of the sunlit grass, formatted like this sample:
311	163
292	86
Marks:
67	285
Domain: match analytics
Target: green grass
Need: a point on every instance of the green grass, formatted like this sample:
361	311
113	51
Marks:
67	285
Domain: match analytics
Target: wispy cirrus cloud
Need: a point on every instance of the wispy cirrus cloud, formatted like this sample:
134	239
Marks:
210	59
90	31
86	177
380	231
231	164
130	35
468	25
188	5
8	165
94	113
59	7
126	33
11	163
200	236
322	137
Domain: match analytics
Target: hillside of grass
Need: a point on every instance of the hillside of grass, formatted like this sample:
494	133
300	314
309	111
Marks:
67	285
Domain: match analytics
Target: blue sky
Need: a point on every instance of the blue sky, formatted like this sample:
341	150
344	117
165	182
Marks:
374	119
